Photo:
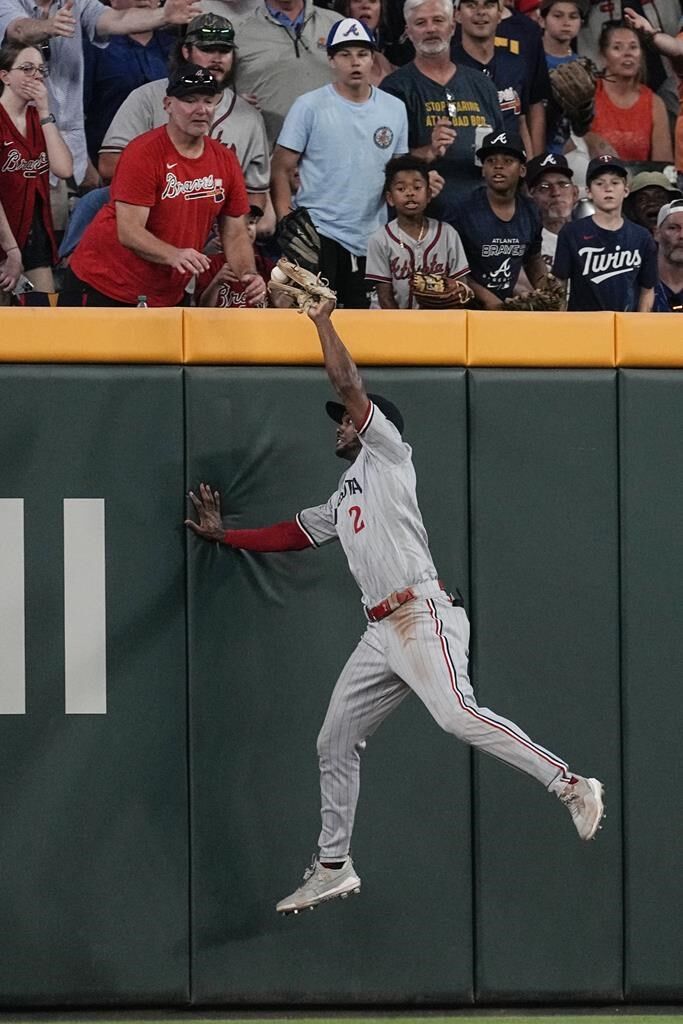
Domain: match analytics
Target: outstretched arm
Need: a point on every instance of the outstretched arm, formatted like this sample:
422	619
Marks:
341	369
281	537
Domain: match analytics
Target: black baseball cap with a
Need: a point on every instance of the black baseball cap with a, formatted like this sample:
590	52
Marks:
603	164
547	163
210	32
502	142
191	80
335	410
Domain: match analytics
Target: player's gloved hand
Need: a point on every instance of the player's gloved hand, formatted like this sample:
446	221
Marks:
208	505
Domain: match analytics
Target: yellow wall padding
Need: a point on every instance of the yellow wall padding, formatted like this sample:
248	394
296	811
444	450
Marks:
45	335
374	337
649	339
540	339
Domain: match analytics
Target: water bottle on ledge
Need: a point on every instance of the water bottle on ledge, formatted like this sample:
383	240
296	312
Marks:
142	302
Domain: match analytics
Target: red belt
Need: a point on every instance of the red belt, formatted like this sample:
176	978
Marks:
394	601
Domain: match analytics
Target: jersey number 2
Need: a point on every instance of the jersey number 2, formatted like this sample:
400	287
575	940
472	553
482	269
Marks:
358	523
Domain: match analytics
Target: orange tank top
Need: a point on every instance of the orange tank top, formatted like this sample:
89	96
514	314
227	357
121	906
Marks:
628	129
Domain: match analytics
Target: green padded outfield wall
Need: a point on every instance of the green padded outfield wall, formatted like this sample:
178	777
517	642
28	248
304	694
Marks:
651	429
545	624
93	844
143	848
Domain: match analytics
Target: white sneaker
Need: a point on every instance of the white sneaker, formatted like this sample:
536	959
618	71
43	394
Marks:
583	798
321	884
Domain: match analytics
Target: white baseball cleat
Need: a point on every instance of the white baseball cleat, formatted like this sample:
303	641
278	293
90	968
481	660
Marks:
584	800
320	885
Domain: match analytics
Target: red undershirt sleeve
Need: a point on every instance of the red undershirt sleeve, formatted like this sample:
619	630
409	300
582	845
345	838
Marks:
287	536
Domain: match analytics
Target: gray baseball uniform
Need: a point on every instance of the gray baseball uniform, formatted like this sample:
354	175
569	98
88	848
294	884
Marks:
394	256
236	124
422	646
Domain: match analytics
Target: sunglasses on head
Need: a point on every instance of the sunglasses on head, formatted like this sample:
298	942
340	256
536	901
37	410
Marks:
213	35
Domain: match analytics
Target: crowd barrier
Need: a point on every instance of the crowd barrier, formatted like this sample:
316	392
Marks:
389	337
160	697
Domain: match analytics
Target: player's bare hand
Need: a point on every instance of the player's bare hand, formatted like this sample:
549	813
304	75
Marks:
436	183
208	506
638	22
321	310
255	290
189	261
443	136
63	23
10	270
180	12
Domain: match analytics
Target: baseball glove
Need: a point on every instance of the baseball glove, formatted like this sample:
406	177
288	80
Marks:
300	286
298	240
431	291
573	89
548	298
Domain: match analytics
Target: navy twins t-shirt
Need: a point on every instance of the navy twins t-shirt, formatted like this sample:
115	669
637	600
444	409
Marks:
497	249
606	269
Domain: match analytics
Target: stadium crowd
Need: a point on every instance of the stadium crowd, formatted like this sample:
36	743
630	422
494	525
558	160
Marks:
159	155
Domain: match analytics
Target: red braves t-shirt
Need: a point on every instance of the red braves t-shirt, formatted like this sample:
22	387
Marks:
183	195
230	295
24	176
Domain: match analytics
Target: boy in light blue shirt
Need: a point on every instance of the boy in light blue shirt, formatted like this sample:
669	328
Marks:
339	139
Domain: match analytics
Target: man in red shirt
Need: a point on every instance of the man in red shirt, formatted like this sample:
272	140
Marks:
170	185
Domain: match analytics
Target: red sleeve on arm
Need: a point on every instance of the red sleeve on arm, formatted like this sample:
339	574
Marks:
286	536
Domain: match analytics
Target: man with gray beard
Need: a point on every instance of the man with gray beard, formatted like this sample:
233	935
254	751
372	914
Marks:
669	236
451	109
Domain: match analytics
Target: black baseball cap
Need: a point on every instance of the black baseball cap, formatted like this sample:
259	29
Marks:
554	162
335	410
210	32
502	142
191	80
606	162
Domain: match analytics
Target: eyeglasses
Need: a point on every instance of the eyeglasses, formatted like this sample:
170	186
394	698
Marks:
33	69
546	186
451	104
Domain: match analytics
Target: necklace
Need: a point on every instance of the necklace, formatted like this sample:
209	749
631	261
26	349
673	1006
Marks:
421	234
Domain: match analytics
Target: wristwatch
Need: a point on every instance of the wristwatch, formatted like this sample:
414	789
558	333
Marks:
50	119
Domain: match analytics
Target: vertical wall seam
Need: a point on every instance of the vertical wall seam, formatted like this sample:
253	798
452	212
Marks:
470	609
620	672
188	734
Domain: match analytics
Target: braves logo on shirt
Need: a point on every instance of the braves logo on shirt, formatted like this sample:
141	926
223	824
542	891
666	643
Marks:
207	187
16	163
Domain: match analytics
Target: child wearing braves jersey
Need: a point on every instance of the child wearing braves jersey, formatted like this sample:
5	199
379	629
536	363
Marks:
412	242
501	229
608	262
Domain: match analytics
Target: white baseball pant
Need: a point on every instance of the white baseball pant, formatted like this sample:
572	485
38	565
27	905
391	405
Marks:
422	648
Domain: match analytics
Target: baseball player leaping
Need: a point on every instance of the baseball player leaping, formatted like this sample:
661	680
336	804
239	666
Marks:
417	636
